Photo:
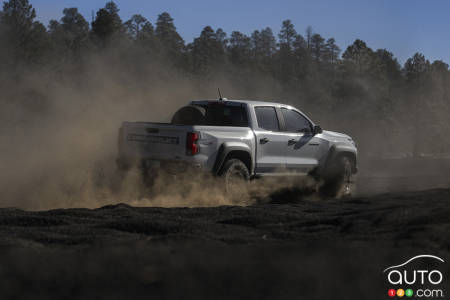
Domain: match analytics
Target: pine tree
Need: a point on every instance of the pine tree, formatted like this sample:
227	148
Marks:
171	42
25	38
239	48
107	23
207	50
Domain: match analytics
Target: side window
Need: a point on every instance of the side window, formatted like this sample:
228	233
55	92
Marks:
295	122
267	118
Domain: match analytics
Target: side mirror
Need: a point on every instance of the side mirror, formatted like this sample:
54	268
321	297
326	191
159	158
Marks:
317	129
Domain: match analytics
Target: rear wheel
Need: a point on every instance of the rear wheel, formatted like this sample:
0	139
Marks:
236	175
339	180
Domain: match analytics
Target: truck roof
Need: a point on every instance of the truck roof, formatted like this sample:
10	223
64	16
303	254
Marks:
249	102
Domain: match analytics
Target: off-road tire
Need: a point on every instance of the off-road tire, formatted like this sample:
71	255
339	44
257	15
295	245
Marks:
236	175
338	182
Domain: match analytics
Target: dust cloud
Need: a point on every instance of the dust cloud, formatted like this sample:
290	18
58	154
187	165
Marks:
58	140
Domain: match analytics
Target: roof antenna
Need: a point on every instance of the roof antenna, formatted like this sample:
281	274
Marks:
220	96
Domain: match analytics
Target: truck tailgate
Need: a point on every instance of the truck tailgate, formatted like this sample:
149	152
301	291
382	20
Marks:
154	140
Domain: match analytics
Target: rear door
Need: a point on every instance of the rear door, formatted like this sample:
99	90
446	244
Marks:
270	141
303	149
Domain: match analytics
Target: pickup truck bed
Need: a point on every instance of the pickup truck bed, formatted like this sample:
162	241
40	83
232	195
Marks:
169	143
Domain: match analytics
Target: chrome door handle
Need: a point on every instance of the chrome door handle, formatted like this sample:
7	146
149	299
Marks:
263	140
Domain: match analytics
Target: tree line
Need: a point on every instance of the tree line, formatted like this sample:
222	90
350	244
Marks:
366	90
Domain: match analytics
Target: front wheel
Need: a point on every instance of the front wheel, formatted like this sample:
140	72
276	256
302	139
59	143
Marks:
236	175
339	180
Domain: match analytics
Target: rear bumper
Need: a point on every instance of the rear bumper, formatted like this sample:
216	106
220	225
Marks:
171	166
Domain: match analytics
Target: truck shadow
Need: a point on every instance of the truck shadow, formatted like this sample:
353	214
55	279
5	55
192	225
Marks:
292	195
303	141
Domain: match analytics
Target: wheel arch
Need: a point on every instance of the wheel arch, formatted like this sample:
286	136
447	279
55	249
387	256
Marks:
227	152
336	153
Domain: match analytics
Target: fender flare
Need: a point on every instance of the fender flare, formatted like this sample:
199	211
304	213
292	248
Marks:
226	149
336	152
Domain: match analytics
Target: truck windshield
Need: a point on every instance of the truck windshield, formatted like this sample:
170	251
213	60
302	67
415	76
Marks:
218	114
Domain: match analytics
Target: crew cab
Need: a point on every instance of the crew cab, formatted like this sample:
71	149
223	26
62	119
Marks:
242	139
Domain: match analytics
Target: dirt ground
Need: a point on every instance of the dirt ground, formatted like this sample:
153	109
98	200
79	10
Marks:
288	248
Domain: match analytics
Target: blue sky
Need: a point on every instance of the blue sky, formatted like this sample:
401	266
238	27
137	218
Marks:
401	26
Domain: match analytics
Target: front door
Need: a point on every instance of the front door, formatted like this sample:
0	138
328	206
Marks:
303	149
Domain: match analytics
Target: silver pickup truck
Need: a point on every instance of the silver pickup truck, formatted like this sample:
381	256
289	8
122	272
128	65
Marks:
241	140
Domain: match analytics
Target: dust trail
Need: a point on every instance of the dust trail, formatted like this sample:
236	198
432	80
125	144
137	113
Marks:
58	140
103	185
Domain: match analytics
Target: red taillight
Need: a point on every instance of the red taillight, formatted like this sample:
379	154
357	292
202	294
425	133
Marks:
191	143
